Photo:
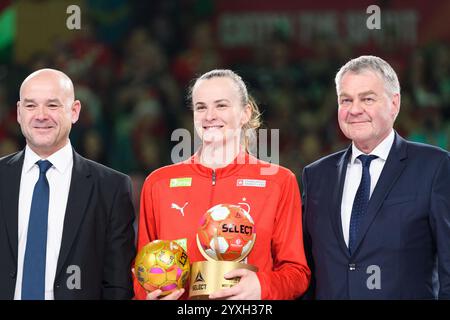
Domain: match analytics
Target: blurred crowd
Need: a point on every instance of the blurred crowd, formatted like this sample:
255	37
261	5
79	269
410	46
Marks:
132	66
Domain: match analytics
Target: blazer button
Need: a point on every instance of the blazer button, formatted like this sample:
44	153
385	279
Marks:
352	267
13	274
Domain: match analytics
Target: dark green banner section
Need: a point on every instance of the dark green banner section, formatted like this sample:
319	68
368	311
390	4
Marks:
8	32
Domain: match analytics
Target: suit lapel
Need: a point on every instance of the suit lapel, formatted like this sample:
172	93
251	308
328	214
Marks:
79	196
10	187
335	203
391	171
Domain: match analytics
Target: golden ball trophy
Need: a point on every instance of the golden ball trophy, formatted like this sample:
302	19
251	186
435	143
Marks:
226	236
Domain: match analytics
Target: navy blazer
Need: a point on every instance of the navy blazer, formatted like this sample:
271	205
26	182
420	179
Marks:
98	235
404	238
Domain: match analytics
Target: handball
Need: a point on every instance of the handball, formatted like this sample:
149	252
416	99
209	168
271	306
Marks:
163	265
227	232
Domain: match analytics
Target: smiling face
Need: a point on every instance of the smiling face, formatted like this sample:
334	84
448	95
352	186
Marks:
366	111
46	111
218	111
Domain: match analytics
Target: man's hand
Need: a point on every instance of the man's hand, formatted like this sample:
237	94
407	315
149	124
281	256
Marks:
248	287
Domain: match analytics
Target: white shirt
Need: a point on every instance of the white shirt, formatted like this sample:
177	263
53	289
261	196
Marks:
59	177
353	178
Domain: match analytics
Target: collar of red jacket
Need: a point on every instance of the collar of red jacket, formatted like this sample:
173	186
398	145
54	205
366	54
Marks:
232	168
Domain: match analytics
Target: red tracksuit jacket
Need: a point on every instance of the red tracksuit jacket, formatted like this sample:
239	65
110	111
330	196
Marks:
175	197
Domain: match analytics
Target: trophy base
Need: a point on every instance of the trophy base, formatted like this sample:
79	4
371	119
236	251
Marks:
207	277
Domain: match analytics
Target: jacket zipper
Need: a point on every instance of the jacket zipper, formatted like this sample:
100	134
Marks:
214	178
211	197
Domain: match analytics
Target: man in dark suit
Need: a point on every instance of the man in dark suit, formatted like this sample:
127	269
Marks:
377	215
66	223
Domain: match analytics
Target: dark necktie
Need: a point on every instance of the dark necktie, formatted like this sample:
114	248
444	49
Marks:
33	279
361	200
